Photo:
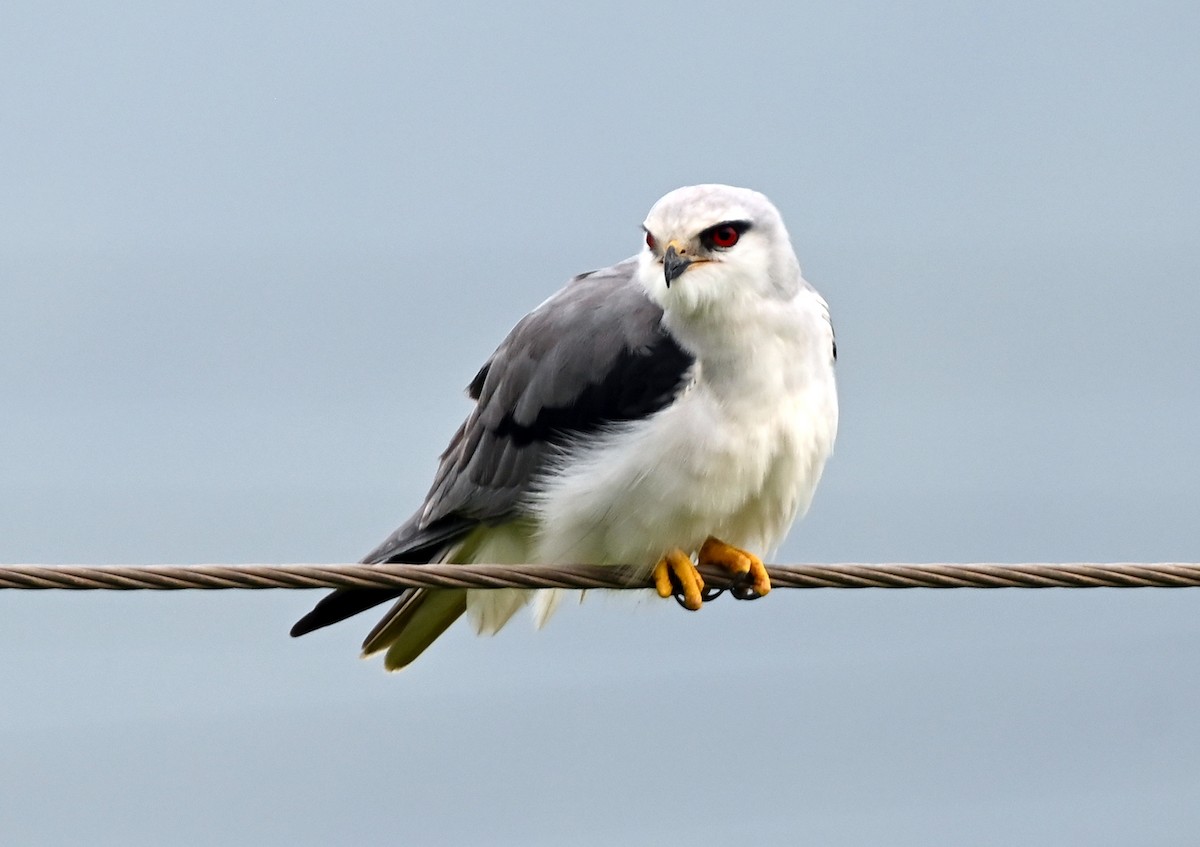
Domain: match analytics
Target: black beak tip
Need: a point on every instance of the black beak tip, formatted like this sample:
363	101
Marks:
673	265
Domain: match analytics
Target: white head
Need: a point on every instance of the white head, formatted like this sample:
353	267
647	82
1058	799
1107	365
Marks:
715	249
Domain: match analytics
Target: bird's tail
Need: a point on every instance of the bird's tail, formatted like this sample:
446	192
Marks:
414	623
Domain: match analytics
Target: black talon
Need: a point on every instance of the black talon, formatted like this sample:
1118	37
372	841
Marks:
741	589
707	593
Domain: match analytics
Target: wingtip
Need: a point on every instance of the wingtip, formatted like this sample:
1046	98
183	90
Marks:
301	627
339	605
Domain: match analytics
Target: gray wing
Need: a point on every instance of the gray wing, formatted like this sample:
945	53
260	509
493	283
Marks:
594	354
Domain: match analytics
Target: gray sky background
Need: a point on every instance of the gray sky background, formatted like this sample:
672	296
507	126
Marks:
250	255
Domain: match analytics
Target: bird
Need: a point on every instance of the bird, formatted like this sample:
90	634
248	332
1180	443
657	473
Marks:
675	408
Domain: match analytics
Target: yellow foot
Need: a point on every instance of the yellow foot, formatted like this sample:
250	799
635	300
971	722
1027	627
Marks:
678	564
751	580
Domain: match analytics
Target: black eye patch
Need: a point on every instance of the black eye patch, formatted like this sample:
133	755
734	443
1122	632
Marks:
724	235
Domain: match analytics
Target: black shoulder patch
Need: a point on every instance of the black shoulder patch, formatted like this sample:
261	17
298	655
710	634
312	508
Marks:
639	383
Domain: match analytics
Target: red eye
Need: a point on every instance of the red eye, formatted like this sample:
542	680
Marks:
724	237
650	242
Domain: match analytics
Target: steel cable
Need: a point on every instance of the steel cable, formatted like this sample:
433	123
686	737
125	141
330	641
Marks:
840	575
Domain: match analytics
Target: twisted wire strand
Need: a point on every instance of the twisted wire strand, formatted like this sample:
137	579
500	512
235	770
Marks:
840	575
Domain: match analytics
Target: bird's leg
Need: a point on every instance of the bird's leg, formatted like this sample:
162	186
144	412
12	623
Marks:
676	569
750	574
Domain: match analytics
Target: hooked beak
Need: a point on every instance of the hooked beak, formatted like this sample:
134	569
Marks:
673	263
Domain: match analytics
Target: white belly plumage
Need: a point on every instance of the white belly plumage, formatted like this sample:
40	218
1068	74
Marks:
691	471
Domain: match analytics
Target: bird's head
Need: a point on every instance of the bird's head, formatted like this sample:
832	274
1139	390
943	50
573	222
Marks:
710	248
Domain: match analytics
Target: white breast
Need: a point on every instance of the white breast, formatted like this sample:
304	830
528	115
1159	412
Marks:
737	456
